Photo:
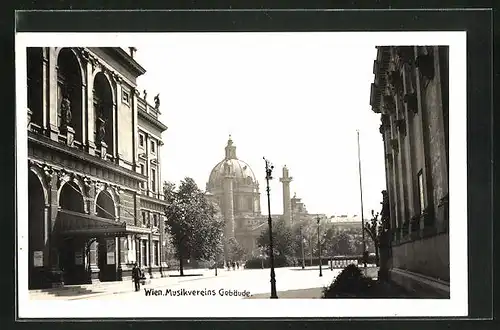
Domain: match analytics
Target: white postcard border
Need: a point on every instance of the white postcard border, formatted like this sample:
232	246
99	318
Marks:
457	305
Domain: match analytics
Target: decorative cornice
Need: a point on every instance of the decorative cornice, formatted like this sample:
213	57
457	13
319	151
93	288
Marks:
152	120
46	142
153	200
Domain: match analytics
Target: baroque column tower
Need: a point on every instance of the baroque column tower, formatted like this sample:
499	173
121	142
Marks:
287	206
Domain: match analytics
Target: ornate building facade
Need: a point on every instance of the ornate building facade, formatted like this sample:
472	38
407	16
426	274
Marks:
94	168
410	92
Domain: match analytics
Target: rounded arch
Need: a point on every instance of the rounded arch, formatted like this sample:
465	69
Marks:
70	80
71	195
105	204
105	74
37	216
57	51
104	105
34	170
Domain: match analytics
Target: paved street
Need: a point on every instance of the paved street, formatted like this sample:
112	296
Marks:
245	282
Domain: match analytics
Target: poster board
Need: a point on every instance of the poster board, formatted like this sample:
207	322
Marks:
110	258
110	245
38	258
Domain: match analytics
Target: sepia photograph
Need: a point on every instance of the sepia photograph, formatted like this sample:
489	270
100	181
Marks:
216	171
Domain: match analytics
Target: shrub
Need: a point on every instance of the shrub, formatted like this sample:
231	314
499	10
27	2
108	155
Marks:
279	261
349	283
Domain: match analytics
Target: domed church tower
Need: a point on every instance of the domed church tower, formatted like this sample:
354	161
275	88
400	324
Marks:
234	187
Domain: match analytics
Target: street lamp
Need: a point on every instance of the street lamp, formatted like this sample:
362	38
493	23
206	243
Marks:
269	170
319	249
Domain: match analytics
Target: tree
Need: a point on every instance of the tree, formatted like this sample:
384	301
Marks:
192	222
234	250
374	230
283	240
343	244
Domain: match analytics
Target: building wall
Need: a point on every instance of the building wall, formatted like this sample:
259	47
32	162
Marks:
408	93
58	157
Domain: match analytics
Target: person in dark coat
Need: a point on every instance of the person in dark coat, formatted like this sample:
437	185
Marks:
136	277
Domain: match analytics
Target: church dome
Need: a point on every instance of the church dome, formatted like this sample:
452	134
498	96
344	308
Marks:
233	166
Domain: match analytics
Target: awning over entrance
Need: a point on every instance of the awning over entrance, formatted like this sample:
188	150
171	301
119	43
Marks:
71	223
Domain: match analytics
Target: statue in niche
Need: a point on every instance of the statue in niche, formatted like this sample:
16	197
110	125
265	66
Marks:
385	213
66	115
101	129
385	220
157	101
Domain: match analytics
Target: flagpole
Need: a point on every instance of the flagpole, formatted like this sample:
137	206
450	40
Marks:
361	194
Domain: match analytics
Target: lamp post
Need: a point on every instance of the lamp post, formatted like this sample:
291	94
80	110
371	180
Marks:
319	248
361	196
269	170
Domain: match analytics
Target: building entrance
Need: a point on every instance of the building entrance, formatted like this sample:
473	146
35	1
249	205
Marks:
72	261
107	259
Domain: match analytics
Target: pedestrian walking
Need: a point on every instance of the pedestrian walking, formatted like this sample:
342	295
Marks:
237	265
136	277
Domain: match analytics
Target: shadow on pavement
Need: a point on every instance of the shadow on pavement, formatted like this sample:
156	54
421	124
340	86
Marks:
70	292
185	275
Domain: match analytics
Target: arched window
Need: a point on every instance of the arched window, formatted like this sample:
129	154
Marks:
105	207
34	83
69	92
103	107
71	198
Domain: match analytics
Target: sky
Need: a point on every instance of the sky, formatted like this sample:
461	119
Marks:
295	98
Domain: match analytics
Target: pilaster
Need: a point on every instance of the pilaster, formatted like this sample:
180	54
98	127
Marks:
422	136
149	255
53	104
45	88
118	257
93	271
116	114
90	109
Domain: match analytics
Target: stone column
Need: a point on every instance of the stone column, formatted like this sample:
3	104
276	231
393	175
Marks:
91	198
124	249
115	131
134	94
84	126
422	126
229	206
118	258
138	251
409	146
93	262
442	207
149	255
46	236
55	271
116	115
90	110
161	247
53	104
287	208
45	88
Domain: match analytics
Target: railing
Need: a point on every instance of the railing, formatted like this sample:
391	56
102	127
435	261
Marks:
342	262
